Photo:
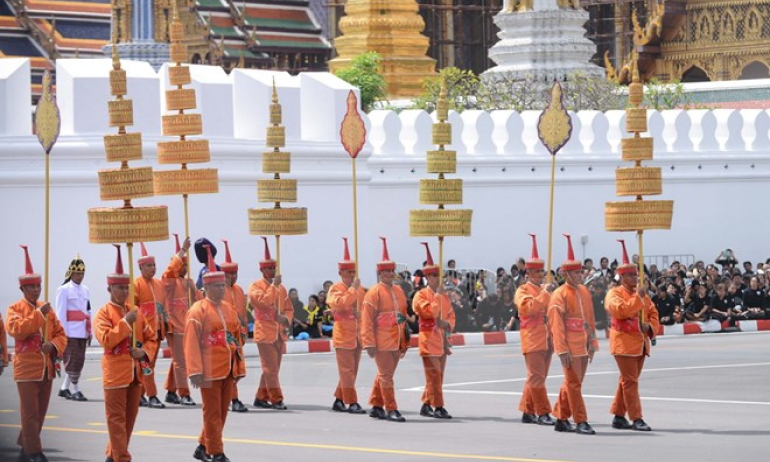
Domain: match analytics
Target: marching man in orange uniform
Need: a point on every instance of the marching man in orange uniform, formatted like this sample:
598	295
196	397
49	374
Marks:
273	314
150	297
383	335
127	338
39	337
573	330
437	320
214	360
235	296
345	299
532	300
634	322
180	293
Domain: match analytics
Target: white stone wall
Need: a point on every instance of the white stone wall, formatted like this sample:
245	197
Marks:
715	166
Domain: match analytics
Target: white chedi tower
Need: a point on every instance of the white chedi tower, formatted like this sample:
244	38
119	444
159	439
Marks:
543	40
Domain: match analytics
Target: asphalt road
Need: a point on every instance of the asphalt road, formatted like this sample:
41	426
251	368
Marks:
705	396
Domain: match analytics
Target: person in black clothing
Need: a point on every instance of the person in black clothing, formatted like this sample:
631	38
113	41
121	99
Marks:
598	292
667	306
464	319
720	304
696	299
755	301
489	313
314	317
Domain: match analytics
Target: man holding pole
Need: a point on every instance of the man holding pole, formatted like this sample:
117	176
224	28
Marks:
437	319
39	338
150	297
536	345
573	330
235	296
127	338
634	322
73	308
345	299
180	292
383	335
273	314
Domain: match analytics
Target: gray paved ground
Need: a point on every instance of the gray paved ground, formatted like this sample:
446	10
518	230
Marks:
705	396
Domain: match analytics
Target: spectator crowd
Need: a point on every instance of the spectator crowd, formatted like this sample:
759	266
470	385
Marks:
716	295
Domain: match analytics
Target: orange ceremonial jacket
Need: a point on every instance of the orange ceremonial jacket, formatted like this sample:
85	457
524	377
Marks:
627	313
3	343
237	299
115	335
345	303
178	293
380	325
212	341
429	307
25	324
263	297
571	321
532	302
150	297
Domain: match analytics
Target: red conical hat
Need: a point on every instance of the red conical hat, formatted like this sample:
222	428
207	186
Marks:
212	276
176	239
430	268
29	278
145	258
119	277
346	264
268	262
386	264
228	266
626	267
534	262
570	264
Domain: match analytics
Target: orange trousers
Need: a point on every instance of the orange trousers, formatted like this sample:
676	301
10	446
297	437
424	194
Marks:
570	401
176	381
534	399
270	355
434	380
121	406
383	391
347	366
33	402
148	381
216	401
627	396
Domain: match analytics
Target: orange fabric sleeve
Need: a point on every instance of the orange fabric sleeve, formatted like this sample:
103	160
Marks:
3	343
342	301
19	326
623	308
56	335
262	298
368	313
106	334
556	313
193	334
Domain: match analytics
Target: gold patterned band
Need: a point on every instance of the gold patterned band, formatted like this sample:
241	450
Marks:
442	161
638	181
125	183
638	215
277	190
179	75
121	112
276	162
180	99
441	191
138	224
427	223
182	125
123	147
184	152
278	222
198	181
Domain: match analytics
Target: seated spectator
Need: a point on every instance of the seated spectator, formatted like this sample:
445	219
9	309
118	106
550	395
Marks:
510	313
322	300
720	304
489	313
296	303
327	325
598	292
464	316
314	314
697	303
755	301
747	270
668	306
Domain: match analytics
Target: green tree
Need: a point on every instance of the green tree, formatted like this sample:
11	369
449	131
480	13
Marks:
364	73
462	90
660	96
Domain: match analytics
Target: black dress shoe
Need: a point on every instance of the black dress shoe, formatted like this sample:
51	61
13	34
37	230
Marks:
79	396
377	413
172	398
186	401
563	426
584	428
621	423
200	454
109	459
237	406
220	458
279	406
22	456
258	403
545	419
640	426
356	408
426	410
528	418
339	406
155	403
39	457
66	394
395	416
441	413
142	401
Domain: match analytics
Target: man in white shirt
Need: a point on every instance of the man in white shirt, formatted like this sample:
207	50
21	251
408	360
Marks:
73	310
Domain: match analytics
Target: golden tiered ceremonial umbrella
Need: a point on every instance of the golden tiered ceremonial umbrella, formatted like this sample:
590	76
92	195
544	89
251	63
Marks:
127	223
